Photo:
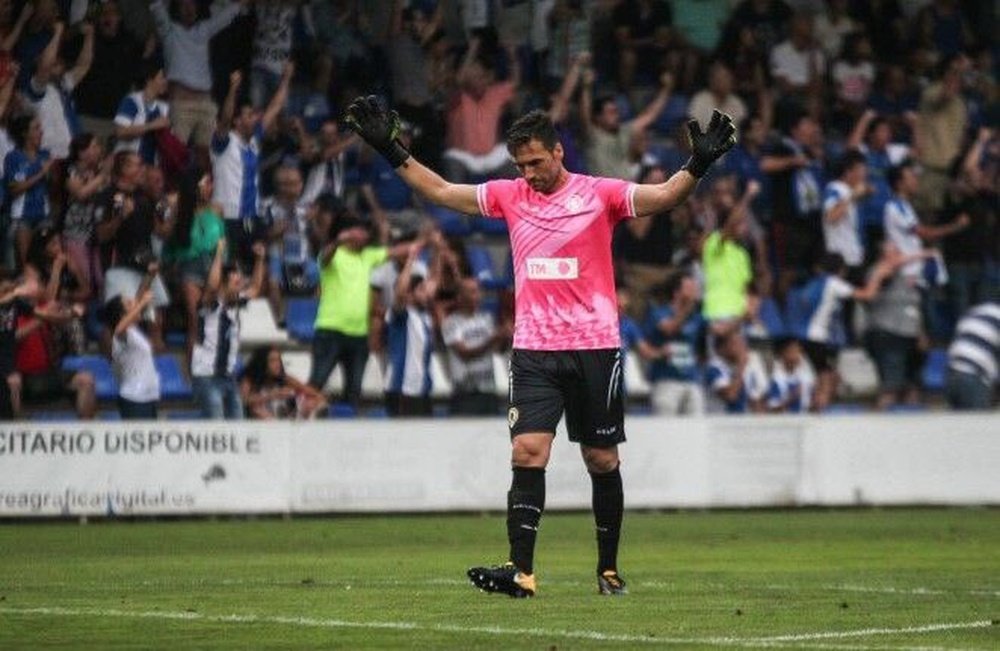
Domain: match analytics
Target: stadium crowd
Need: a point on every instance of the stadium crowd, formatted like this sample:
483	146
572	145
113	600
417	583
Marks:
167	166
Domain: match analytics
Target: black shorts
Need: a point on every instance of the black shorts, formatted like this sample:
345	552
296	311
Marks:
47	386
823	357
586	384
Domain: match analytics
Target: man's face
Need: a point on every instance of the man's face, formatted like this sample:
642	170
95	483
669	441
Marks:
721	80
807	131
155	183
187	11
159	84
910	182
791	356
469	293
110	19
539	166
856	174
329	133
689	289
609	118
131	169
880	136
246	121
289	183
35	133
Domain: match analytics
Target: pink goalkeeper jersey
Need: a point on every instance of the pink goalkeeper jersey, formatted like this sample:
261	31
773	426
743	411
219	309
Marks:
561	242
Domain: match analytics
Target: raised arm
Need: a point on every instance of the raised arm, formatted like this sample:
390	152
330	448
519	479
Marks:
86	56
47	59
653	110
7	90
14	35
134	315
221	19
214	280
402	289
257	279
229	105
380	129
857	135
161	18
706	147
560	106
277	103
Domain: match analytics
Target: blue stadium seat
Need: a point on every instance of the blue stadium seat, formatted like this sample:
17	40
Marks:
342	410
451	222
174	384
935	369
300	317
903	408
184	414
176	339
105	383
844	409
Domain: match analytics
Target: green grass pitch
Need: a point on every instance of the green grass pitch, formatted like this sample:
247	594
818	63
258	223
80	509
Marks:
925	579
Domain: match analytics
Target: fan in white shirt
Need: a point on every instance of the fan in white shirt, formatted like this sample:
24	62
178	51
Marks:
132	354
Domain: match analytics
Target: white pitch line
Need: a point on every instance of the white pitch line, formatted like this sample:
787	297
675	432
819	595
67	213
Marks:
797	640
292	582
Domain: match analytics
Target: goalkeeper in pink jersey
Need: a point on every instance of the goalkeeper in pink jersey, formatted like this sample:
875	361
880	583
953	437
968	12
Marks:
566	354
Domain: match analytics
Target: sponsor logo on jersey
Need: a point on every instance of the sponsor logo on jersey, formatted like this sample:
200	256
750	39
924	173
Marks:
553	268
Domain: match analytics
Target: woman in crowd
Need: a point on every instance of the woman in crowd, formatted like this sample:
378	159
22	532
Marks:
191	248
62	283
86	178
132	354
269	393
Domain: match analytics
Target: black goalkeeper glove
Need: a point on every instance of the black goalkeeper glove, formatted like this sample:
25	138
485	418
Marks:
707	146
378	127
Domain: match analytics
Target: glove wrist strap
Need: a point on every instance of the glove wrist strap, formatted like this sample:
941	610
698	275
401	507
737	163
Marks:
696	167
395	153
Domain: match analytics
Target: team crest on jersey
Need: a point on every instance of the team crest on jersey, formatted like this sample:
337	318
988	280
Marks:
512	415
574	203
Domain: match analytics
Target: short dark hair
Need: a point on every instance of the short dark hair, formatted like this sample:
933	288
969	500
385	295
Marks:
113	312
19	128
673	283
119	160
535	125
781	344
148	71
895	174
851	158
599	103
832	263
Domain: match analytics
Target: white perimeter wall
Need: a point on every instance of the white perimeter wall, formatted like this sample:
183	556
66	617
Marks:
439	465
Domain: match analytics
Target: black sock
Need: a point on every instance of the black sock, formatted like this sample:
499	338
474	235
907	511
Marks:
525	502
609	504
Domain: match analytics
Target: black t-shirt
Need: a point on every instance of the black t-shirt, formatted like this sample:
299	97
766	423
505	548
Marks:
978	240
110	77
132	245
9	313
796	193
768	26
628	14
656	248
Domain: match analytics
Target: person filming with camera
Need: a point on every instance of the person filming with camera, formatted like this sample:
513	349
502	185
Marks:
126	222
